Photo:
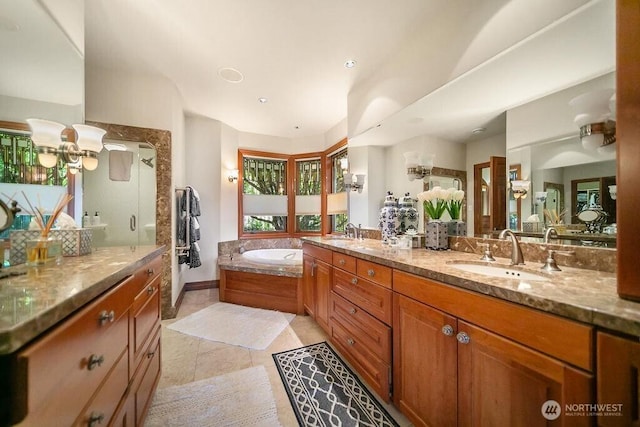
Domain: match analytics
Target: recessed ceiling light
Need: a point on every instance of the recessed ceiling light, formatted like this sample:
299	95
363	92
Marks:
230	74
350	63
296	127
478	130
262	100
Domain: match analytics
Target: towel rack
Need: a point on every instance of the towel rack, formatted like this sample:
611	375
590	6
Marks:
183	221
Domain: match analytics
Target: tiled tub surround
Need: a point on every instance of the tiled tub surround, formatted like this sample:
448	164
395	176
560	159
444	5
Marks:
32	303
584	295
277	287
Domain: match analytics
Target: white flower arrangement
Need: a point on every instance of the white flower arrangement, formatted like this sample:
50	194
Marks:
434	201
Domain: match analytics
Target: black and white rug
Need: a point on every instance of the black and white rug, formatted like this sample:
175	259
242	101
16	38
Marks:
325	392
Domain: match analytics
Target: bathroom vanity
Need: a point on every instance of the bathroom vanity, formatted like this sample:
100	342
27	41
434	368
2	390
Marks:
465	348
80	341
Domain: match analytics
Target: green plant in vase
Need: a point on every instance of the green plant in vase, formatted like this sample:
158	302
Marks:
434	202
454	205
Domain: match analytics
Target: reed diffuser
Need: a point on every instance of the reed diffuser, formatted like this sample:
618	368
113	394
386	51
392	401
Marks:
45	248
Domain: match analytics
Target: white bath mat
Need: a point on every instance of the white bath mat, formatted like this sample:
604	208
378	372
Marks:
233	324
241	398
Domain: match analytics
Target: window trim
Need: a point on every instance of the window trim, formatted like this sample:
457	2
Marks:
291	190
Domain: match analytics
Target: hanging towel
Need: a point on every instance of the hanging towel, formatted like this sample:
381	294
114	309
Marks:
194	256
194	202
120	165
195	229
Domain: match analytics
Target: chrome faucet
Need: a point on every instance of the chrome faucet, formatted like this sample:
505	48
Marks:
550	233
516	253
347	230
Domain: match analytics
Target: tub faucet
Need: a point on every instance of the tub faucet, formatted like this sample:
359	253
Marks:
516	253
550	233
347	230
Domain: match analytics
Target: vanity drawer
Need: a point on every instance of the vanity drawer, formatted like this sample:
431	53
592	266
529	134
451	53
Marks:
344	262
373	370
144	275
374	299
62	371
377	273
105	402
145	316
371	332
146	378
318	253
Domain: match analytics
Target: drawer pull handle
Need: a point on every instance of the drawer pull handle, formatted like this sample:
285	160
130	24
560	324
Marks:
95	418
342	261
463	338
150	354
95	361
447	330
150	271
354	281
352	311
371	272
350	341
150	290
106	316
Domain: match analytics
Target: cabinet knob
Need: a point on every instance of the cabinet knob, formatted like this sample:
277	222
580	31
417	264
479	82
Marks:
95	418
150	271
352	310
95	361
371	272
342	261
447	330
354	281
106	316
150	354
150	290
350	341
463	338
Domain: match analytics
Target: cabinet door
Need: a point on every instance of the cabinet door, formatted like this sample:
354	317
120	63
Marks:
618	367
308	288
501	382
424	363
323	275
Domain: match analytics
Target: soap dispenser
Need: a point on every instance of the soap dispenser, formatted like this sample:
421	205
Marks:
96	219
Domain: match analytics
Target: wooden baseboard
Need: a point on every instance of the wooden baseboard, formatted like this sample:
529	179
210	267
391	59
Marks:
195	286
205	284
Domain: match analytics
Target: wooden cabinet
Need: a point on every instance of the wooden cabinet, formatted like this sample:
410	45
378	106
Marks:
618	367
451	369
80	372
360	315
316	283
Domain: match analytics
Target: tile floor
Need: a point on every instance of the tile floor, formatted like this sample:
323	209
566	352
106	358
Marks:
186	358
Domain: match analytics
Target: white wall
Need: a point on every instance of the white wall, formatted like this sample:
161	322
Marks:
203	157
19	109
480	152
142	100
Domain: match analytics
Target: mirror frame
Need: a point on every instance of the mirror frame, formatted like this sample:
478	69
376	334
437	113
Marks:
161	141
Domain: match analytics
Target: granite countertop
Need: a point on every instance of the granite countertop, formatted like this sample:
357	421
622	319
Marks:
584	295
33	299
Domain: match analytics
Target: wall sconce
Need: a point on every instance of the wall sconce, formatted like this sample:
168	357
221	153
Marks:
233	175
592	116
46	137
541	196
520	188
353	182
415	167
613	190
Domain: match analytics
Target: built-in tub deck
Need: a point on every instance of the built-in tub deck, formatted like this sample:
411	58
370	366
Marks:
274	287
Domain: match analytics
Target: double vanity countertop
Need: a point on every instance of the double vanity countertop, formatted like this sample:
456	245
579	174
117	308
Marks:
584	295
33	299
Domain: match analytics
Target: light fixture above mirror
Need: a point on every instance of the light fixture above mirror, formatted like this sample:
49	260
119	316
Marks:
593	113
46	137
416	169
520	188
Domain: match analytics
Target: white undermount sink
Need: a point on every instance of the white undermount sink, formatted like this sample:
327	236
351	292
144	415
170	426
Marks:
498	271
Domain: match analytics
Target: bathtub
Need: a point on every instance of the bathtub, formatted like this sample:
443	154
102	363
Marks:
275	256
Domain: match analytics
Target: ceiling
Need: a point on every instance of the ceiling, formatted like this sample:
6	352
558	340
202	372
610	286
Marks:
292	52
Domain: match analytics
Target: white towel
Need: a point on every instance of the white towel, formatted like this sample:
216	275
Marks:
120	165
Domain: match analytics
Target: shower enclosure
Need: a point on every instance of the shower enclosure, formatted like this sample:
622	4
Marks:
122	190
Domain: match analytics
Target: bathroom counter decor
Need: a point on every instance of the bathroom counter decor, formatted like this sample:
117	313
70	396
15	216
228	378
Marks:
74	242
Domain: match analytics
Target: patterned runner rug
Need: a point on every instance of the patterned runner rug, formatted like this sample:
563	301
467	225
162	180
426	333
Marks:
325	392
